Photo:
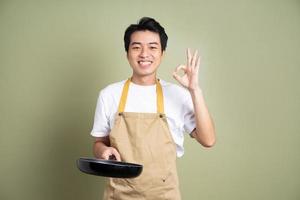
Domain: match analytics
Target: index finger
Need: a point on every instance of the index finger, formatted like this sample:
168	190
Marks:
189	57
116	154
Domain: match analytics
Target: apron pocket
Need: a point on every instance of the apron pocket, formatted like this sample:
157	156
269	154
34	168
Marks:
137	185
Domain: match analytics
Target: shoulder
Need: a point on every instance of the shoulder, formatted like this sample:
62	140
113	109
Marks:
112	88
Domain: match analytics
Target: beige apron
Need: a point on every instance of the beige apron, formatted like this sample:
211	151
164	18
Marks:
144	138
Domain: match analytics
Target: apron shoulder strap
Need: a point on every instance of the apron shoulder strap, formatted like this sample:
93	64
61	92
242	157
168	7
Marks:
159	98
123	99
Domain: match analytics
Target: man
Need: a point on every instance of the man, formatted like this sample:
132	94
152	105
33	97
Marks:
142	119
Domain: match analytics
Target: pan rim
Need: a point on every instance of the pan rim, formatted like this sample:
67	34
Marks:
111	162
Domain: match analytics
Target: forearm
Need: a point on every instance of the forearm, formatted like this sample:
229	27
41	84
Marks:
205	131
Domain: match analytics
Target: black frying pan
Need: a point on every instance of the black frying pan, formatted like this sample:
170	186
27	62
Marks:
109	168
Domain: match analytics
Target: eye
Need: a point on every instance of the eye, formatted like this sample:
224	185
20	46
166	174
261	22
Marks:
153	47
135	47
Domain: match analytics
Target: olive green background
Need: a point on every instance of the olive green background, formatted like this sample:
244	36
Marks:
55	56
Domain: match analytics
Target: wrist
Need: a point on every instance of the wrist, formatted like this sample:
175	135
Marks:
196	90
99	148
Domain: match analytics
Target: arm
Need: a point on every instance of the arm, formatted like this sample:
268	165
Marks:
101	145
205	131
103	150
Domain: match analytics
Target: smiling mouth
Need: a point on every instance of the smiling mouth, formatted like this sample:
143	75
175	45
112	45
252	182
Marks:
143	63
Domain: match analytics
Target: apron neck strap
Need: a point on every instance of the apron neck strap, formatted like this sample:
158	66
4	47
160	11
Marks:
159	97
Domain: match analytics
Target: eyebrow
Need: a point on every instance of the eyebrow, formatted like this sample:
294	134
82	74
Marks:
154	43
139	43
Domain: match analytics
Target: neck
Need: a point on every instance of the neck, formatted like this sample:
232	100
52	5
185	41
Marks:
144	80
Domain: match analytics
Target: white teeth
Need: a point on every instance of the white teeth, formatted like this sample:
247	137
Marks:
144	62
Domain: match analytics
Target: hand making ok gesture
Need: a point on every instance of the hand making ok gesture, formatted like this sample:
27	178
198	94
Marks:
189	79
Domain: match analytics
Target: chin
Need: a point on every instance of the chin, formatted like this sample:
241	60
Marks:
144	72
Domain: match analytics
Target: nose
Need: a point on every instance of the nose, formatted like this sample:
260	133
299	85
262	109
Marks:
144	52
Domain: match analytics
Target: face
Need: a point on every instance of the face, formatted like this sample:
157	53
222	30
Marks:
144	54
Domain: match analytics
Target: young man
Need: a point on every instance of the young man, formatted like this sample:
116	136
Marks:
142	119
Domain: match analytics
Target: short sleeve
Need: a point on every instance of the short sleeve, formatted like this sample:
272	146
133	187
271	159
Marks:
101	126
189	115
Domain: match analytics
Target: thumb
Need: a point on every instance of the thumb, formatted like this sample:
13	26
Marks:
176	76
116	154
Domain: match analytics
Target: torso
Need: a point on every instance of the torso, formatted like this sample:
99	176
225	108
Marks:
177	103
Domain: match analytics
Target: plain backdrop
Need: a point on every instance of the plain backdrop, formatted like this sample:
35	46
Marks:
55	57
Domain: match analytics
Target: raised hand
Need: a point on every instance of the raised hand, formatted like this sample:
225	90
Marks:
189	79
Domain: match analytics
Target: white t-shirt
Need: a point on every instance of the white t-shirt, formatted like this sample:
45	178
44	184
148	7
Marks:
177	104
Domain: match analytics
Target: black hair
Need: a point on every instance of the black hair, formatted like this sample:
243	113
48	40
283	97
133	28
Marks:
146	23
